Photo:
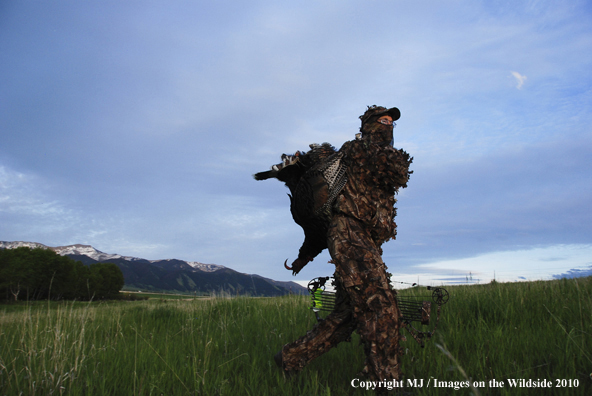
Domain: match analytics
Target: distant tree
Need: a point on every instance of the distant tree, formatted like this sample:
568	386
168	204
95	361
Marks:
109	277
41	273
81	287
16	277
10	282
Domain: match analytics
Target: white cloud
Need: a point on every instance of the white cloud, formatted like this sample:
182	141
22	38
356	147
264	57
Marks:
22	194
528	264
519	79
179	111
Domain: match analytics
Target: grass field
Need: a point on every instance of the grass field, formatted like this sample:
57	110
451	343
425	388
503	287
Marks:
222	346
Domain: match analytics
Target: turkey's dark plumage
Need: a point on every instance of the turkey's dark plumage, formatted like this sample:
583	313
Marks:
314	179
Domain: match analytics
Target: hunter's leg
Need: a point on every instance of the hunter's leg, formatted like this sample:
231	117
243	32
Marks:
336	327
360	267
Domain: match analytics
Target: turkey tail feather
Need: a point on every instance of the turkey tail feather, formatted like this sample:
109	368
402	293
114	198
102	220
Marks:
264	175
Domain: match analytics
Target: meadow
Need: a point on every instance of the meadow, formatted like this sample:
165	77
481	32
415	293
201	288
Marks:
225	346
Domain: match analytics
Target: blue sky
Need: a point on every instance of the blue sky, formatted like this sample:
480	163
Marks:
135	127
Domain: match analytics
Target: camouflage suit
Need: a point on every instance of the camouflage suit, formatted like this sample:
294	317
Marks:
362	220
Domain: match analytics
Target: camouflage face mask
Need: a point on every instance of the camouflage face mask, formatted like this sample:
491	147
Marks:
378	133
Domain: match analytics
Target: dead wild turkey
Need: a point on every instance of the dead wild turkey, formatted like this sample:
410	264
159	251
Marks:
314	178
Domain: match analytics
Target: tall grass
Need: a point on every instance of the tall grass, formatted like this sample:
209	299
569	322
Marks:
530	330
225	346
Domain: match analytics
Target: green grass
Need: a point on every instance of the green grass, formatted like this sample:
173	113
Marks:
159	296
531	330
536	330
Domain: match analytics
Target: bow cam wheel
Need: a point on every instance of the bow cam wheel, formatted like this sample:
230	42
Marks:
440	296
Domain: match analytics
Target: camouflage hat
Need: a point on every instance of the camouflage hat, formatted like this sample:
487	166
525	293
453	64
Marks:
379	111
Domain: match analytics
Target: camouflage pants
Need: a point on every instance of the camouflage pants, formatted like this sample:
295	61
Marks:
365	302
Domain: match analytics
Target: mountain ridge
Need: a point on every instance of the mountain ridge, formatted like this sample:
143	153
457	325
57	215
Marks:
172	275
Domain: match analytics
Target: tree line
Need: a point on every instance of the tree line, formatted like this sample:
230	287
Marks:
39	274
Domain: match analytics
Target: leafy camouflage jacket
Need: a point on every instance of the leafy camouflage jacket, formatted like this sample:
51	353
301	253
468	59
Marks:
374	175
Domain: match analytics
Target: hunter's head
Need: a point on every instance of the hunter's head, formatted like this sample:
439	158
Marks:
377	124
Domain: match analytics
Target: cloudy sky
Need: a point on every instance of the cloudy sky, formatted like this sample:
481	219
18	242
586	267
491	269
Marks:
135	127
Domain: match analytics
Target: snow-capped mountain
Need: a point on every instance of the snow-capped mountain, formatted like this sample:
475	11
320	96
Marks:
14	245
173	275
81	250
194	264
89	251
205	267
